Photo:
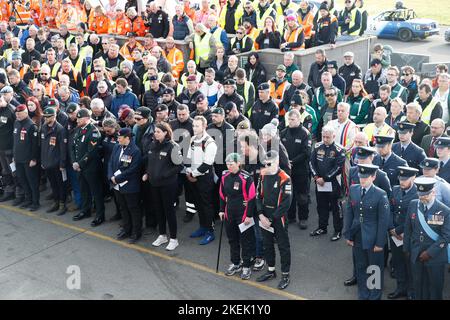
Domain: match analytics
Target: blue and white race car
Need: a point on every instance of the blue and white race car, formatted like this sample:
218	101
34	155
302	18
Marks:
401	24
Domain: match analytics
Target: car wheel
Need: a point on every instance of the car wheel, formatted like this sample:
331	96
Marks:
405	35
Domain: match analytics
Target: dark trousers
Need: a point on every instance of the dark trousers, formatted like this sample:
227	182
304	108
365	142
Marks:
204	194
428	281
218	169
9	182
147	205
91	188
364	259
326	202
183	183
29	180
59	188
163	203
131	212
282	237
75	185
300	197
402	269
259	249
238	240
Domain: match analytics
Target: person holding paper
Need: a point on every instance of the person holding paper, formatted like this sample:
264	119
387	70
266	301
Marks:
273	200
400	198
327	162
426	239
54	159
124	168
366	224
237	204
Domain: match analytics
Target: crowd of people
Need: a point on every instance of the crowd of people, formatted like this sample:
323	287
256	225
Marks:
100	122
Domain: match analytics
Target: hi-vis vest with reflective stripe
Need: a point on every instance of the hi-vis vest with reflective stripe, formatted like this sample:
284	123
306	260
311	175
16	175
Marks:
352	23
294	36
244	39
86	52
216	34
426	114
267	13
54	69
202	48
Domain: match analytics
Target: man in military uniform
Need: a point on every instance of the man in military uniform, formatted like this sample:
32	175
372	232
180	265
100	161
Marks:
401	196
427	234
366	223
273	199
405	148
386	159
430	167
327	161
264	109
443	152
54	158
26	156
86	162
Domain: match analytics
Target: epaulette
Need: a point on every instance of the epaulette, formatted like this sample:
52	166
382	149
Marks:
339	147
318	144
245	174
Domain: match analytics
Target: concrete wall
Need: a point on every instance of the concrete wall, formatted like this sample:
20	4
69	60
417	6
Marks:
271	58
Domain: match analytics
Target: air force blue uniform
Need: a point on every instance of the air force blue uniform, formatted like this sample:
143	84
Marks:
400	200
390	166
413	154
381	180
428	276
366	222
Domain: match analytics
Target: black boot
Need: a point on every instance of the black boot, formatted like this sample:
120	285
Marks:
284	282
7	196
62	209
18	201
54	208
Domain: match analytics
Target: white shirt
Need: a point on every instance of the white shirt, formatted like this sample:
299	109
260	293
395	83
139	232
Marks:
339	134
443	100
197	156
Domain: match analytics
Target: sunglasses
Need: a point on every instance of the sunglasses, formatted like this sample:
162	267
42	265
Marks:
239	32
97	70
406	74
42	73
138	118
330	95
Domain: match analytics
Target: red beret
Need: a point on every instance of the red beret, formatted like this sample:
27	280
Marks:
21	107
124	114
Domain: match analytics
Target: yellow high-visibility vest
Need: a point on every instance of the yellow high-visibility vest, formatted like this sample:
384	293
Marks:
426	114
202	48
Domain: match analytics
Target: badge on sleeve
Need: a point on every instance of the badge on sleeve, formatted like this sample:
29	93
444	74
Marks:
236	186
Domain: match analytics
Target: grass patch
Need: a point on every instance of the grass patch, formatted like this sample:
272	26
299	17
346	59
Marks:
438	10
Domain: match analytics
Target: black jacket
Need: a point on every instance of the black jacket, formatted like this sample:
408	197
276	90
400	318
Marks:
159	24
26	141
29	56
298	145
263	113
22	91
188	99
134	83
273	37
7	119
219	71
349	73
315	74
235	97
42	47
164	162
129	164
277	145
258	76
182	133
152	98
53	146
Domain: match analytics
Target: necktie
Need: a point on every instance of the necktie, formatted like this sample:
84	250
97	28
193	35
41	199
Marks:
382	163
431	148
403	193
403	150
363	193
441	164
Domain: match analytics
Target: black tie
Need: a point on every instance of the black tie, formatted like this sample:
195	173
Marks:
382	163
403	193
403	150
363	193
441	164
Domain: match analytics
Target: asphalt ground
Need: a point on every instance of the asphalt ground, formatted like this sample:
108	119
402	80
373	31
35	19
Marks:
38	249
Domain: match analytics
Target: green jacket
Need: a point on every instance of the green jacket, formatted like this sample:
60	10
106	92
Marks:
85	146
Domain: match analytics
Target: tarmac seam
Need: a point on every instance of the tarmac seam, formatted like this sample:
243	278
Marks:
181	261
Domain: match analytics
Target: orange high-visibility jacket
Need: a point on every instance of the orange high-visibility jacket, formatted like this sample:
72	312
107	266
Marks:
51	12
68	17
138	26
5	10
307	23
120	26
176	60
277	93
100	25
126	51
50	86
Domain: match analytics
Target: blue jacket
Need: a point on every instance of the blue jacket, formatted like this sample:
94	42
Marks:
367	220
381	180
390	166
399	207
413	154
129	165
223	37
416	239
128	98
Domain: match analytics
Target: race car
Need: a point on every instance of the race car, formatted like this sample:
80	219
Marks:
401	24
447	35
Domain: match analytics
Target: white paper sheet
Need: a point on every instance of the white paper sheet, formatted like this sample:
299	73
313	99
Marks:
327	187
270	229
64	175
397	242
12	165
243	227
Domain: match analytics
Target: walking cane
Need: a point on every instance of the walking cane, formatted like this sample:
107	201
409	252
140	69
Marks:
220	245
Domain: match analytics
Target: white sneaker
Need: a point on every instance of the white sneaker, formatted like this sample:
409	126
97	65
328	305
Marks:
161	240
173	243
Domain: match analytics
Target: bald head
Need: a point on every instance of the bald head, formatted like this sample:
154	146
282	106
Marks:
361	140
379	115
